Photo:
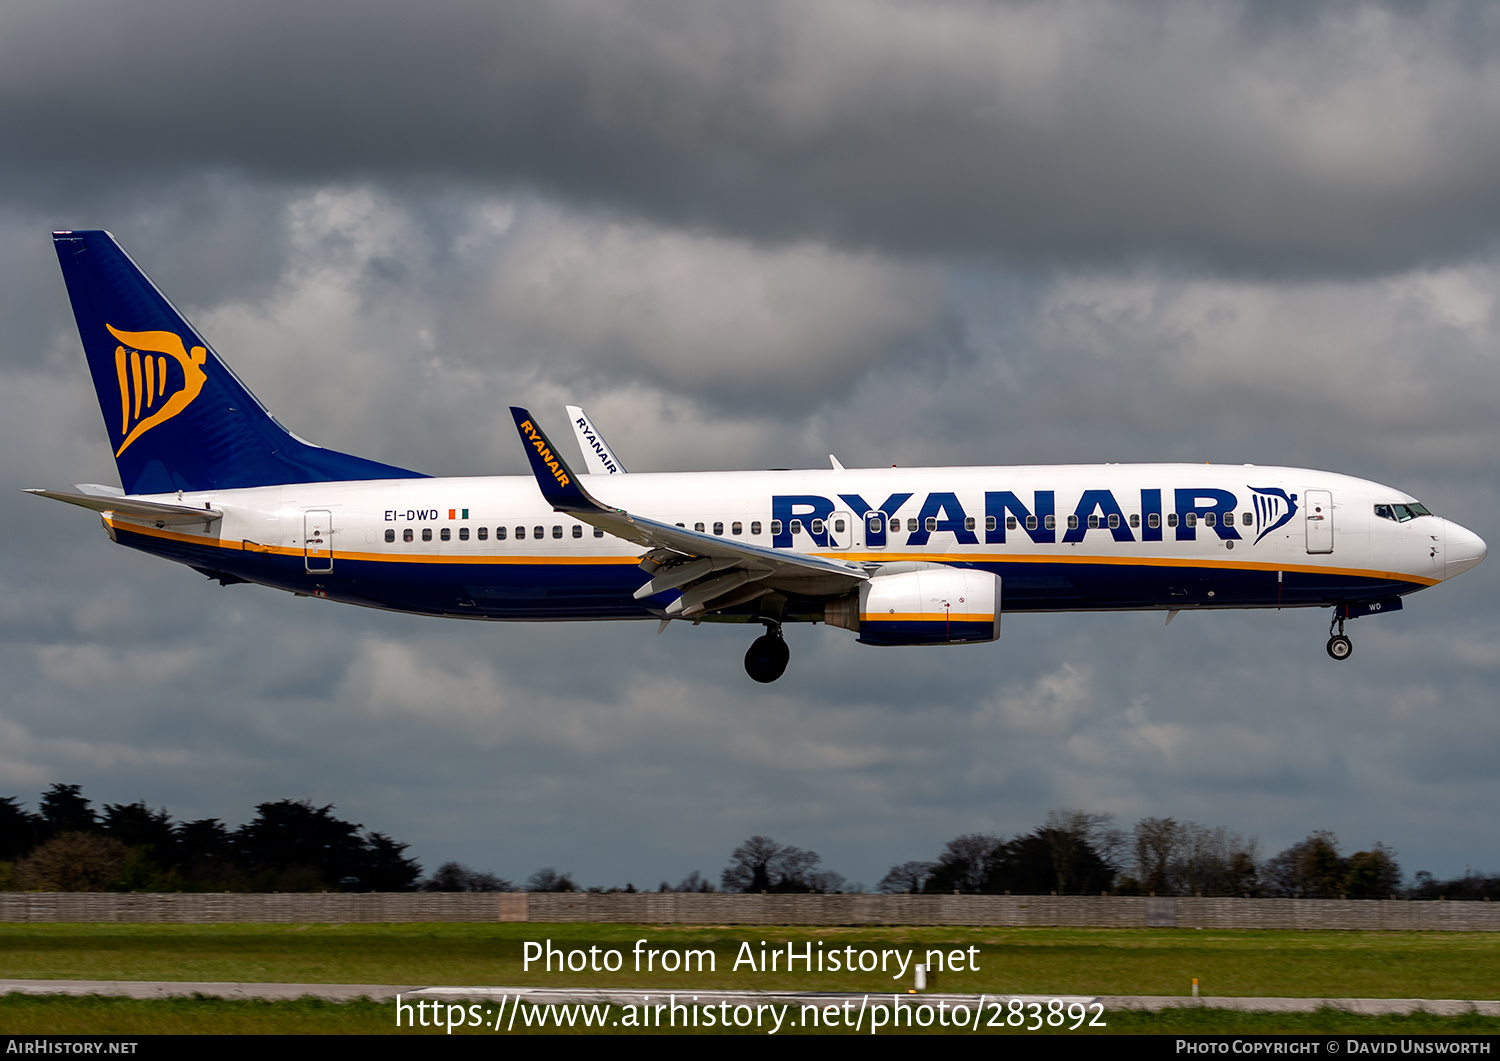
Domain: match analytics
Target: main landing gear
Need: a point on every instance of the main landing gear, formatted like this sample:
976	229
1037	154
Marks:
767	657
1339	646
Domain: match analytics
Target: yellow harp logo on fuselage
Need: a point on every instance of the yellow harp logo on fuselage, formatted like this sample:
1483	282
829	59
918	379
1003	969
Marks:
142	372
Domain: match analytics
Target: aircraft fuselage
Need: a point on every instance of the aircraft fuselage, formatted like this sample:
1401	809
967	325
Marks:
1061	538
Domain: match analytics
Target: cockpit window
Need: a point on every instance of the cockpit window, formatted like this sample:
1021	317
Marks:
1401	513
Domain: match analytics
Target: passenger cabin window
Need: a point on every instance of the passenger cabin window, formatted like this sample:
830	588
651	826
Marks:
578	530
484	533
911	525
795	526
1114	520
698	527
539	532
736	528
817	526
1030	522
406	535
463	534
1153	520
556	530
446	534
598	532
1228	519
1190	519
875	524
1010	523
838	526
968	523
1073	522
1171	519
500	533
1208	519
390	535
755	527
931	524
520	533
1093	523
427	534
1049	522
1135	519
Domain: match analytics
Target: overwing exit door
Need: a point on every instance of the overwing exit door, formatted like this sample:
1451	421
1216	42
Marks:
840	530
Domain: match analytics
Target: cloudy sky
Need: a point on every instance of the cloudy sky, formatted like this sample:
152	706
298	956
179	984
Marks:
746	235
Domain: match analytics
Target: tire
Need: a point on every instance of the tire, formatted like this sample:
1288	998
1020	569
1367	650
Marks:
1340	647
767	658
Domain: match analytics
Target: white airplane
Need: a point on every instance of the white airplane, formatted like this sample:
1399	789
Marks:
900	556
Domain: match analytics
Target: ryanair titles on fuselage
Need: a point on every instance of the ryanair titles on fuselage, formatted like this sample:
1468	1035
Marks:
1146	515
941	512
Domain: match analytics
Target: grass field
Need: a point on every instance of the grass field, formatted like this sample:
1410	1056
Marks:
1028	961
1023	961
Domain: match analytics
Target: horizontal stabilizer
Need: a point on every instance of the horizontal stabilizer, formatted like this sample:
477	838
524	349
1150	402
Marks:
151	511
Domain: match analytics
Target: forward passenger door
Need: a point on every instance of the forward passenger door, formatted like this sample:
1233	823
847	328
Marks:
1317	508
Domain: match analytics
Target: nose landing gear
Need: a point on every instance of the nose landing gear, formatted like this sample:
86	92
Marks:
1339	646
767	657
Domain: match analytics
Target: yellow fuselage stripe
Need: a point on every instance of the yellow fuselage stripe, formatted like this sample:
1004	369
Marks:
935	558
1133	561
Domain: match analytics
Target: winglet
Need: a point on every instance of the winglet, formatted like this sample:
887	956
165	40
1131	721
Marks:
558	482
598	458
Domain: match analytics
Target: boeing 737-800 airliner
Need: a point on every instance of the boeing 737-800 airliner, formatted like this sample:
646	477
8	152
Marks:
899	556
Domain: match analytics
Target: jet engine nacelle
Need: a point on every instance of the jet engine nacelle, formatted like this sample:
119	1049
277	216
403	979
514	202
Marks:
921	604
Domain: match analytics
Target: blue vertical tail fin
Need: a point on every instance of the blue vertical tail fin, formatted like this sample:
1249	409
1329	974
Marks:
177	417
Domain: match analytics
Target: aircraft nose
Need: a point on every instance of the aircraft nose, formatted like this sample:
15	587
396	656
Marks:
1463	549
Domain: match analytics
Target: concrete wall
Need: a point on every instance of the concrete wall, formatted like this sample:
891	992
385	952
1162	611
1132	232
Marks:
1079	911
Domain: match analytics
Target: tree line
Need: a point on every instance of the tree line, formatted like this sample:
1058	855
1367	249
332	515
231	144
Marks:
293	845
290	845
1078	853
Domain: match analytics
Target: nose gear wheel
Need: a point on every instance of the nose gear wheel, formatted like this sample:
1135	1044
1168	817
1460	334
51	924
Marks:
1339	646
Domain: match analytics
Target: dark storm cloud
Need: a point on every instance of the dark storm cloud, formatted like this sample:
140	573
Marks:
623	755
730	243
1347	136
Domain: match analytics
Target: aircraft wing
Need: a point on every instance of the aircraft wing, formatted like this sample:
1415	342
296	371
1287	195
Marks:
149	511
683	556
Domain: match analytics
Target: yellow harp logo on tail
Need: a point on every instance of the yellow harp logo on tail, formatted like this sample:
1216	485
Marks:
143	370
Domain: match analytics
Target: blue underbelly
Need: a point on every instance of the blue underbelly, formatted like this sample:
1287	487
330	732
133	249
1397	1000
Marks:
541	590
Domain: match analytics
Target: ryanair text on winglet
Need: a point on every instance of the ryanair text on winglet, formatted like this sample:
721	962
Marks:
535	438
